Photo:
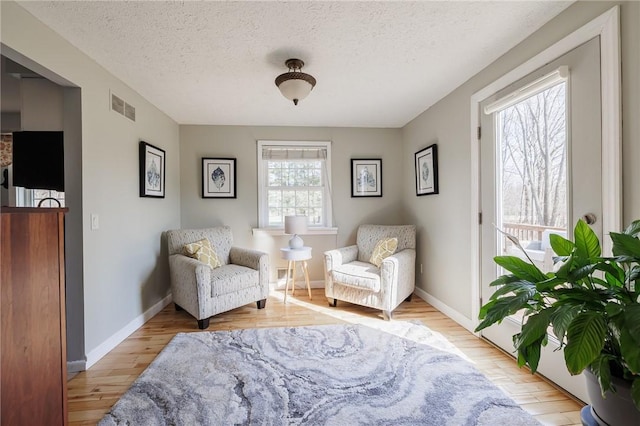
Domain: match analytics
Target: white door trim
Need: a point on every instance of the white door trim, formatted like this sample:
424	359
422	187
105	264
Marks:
607	26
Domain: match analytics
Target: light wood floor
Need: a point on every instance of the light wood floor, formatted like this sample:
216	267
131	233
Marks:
93	392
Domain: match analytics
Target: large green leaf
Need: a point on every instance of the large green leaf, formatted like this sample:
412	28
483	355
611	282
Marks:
587	243
520	268
535	328
548	286
531	354
585	340
613	281
578	274
602	370
635	392
632	321
596	298
561	245
630	351
514	287
565	267
611	268
633	229
498	309
504	279
613	309
625	245
521	359
561	319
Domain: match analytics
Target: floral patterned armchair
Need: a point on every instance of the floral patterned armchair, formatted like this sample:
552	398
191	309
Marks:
350	275
203	291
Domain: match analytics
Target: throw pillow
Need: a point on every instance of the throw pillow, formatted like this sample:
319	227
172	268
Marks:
384	248
203	251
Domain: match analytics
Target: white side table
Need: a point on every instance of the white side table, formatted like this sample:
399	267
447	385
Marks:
294	255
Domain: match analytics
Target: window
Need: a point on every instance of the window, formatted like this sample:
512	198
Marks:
531	145
32	197
294	179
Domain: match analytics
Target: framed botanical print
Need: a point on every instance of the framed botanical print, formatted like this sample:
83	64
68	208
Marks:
427	170
218	178
366	178
152	170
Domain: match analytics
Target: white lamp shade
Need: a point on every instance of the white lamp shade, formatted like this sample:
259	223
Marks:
295	89
295	224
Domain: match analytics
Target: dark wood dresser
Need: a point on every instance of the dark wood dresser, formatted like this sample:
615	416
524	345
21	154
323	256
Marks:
34	350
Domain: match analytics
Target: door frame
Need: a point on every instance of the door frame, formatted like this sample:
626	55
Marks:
607	26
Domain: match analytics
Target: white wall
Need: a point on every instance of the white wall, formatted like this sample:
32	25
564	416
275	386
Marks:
124	271
242	213
443	246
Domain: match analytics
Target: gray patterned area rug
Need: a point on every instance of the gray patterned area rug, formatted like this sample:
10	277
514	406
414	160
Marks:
318	375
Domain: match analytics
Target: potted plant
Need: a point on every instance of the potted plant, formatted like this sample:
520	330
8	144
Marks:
592	304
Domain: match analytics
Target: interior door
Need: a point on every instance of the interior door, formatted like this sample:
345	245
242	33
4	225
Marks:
540	172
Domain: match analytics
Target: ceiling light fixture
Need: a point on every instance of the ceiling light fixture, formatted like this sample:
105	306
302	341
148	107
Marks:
295	85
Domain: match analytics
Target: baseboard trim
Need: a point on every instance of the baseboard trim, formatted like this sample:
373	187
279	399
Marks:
117	338
76	366
445	309
300	284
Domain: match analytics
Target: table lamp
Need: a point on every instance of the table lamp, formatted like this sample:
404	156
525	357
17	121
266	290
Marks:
295	225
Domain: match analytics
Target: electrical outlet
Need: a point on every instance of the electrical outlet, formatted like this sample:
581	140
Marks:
421	268
95	222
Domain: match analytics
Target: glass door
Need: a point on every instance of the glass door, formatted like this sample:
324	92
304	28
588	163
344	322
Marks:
540	173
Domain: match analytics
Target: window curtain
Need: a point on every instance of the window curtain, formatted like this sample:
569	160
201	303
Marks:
293	153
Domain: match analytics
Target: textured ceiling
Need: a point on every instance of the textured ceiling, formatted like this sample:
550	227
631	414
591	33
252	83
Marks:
378	64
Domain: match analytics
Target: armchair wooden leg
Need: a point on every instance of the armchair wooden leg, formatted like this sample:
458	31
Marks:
178	307
261	303
408	299
332	302
203	324
386	315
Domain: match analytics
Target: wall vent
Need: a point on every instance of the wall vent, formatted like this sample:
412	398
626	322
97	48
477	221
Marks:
282	274
121	107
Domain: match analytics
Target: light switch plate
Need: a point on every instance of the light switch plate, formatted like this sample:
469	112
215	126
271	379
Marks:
95	222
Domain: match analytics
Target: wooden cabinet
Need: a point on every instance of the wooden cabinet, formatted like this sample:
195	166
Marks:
34	353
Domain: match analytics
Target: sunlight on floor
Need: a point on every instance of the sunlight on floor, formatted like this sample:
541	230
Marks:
413	330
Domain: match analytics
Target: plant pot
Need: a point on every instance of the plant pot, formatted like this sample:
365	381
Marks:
617	408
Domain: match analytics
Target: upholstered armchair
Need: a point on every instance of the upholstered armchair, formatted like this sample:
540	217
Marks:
238	276
350	276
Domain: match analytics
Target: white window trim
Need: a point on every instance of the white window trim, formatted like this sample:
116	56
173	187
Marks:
327	207
24	197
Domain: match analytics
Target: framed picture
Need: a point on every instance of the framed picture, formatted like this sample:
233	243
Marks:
152	169
366	178
218	178
427	170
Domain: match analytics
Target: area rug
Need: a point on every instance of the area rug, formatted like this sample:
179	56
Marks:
317	375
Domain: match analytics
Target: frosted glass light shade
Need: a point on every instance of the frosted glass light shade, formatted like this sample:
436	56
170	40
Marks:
295	225
294	90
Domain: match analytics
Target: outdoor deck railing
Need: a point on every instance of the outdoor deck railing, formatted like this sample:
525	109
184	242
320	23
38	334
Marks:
527	232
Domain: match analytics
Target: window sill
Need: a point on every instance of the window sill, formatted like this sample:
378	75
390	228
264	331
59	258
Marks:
280	231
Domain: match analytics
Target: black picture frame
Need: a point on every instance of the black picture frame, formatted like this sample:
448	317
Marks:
366	177
218	177
152	170
426	168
